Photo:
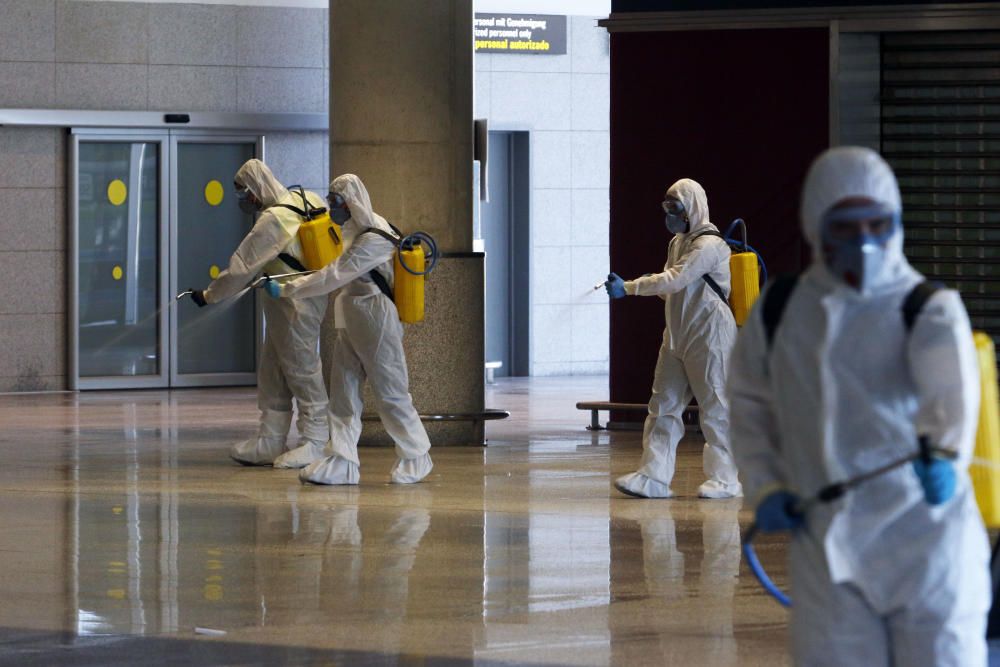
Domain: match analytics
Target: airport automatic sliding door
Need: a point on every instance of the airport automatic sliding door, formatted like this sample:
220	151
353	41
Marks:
152	214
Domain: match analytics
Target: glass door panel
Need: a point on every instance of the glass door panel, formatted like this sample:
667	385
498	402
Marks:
120	323
215	344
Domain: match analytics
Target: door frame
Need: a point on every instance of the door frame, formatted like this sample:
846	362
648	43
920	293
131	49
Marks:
167	141
160	380
204	379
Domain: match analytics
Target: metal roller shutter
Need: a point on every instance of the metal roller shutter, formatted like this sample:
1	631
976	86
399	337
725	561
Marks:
940	130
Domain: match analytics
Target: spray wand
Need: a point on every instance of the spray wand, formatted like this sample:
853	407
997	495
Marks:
259	282
828	494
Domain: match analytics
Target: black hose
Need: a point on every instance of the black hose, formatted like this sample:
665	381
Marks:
431	253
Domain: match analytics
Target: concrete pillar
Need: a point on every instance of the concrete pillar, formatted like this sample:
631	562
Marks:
401	118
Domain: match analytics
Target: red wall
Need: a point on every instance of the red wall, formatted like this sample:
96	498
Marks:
743	112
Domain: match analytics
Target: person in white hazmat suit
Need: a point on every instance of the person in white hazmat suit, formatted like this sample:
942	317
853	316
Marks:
699	335
369	344
289	363
896	571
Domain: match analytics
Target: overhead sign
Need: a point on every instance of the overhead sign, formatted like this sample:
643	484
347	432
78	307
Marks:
529	34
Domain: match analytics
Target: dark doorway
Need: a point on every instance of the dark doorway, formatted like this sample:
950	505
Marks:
505	231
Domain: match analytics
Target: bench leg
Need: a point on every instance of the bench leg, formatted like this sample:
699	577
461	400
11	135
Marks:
595	423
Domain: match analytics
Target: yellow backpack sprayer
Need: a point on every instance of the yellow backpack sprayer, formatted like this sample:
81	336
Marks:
317	234
746	269
984	471
416	256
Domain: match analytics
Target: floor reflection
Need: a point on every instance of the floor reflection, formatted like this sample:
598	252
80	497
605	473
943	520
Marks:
124	523
678	562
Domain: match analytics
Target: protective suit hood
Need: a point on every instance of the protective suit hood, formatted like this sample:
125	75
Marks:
256	177
692	195
354	192
842	173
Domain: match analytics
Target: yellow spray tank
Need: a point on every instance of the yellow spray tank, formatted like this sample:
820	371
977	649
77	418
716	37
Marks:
410	268
744	276
318	236
416	256
984	472
321	244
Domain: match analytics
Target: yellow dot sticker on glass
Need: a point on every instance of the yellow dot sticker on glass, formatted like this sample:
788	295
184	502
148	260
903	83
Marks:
117	192
214	193
213	272
117	273
213	592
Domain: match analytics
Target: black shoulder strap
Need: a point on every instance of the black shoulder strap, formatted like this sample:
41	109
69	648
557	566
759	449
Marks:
707	278
712	232
298	211
377	277
382	283
775	300
292	262
715	287
309	211
916	299
384	234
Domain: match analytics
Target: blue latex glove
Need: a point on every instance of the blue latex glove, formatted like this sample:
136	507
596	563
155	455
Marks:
615	286
774	513
937	476
272	288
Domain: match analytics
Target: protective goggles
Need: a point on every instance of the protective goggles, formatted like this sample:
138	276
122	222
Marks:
241	192
673	206
852	223
335	200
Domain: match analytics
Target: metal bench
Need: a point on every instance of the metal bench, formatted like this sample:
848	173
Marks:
690	415
475	417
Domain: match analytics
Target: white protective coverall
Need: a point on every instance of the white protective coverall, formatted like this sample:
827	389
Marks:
289	363
699	335
369	345
879	577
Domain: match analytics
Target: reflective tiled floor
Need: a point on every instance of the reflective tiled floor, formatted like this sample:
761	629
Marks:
124	527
